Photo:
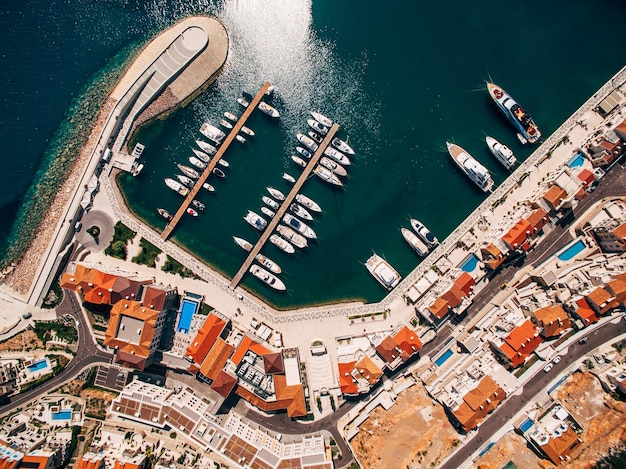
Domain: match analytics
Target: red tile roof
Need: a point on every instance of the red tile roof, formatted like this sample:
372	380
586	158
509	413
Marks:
216	359
554	197
347	383
553	319
537	220
600	300
206	337
408	341
131	309
289	398
248	344
518	234
586	177
223	383
273	363
620	231
520	343
465	282
584	311
479	402
389	350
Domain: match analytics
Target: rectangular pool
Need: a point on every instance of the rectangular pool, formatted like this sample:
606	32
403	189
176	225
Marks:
187	309
442	359
62	415
572	250
39	365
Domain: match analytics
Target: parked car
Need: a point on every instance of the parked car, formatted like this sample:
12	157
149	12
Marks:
548	367
556	359
597	357
583	340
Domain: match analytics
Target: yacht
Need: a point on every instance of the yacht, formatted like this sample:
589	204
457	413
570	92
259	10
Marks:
289	178
382	271
268	263
270	202
202	156
424	233
282	244
333	166
269	110
248	131
317	138
319	128
199	205
302	212
212	133
322	119
176	186
223	163
342	146
472	168
268	211
304	152
219	173
308	203
517	116
192	212
243	244
307	141
299	161
185	180
136	169
230	116
240	138
502	153
227	125
299	226
243	102
255	220
278	195
208	187
292	236
206	147
414	241
337	156
267	277
197	162
164	213
327	175
187	171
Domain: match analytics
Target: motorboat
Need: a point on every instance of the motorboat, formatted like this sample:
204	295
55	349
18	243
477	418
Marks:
268	211
278	195
136	169
337	156
240	138
289	178
292	236
187	171
308	203
192	212
227	125
477	173
164	213
185	180
243	102
317	138
219	173
206	147
270	202
299	210
197	162
502	153
304	152
197	204
382	271
230	116
299	161
223	163
319	128
414	241
267	277
333	166
202	156
269	110
282	244
208	187
301	227
307	141
517	116
212	133
255	220
327	175
243	244
270	91
424	233
268	263
176	186
322	119
248	131
342	146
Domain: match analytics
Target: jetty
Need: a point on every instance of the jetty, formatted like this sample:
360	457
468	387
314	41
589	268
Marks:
271	226
213	162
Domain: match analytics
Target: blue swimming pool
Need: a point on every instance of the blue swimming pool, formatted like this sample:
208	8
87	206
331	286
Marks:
572	250
187	309
62	415
525	425
577	160
441	360
470	263
39	365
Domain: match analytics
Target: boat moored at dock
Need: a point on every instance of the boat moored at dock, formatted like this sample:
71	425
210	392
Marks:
337	156
187	171
308	203
208	187
268	211
278	195
227	125
242	243
322	119
270	202
289	178
517	116
202	156
267	277
414	241
300	211
185	180
424	233
212	133
478	174
219	173
299	226
255	220
248	131
327	175
192	212
268	263
206	147
197	162
176	186
304	152
333	166
164	213
230	116
342	146
292	236
502	153
282	244
243	102
383	272
318	127
299	161
307	141
269	110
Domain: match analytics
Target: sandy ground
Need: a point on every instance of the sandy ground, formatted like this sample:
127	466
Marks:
26	340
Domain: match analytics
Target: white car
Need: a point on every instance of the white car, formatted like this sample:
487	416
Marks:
548	367
556	359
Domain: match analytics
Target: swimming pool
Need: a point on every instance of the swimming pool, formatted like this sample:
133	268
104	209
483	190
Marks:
187	309
62	415
39	365
577	160
525	425
441	360
572	250
470	263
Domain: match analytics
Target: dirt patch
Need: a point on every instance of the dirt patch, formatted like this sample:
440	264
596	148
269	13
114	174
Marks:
514	448
415	432
97	401
24	341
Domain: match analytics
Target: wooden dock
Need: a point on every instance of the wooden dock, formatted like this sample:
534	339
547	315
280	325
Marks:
232	133
284	205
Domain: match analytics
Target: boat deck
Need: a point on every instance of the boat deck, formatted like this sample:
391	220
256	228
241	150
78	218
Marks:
271	225
230	136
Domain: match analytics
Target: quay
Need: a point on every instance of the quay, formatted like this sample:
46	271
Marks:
213	161
269	229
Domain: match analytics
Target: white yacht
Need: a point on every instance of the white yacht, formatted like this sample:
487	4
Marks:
317	138
212	133
299	226
227	125
176	186
424	233
333	166
187	171
223	163
255	220
208	187
267	277
282	244
202	156
197	162
322	119
269	110
307	141
206	147
519	118
271	203
382	271
243	102
240	138
319	128
327	175
302	212
342	146
308	203
248	131
268	211
299	161
304	152
278	195
185	180
292	236
414	241
502	153
243	244
471	167
337	156
230	116
268	263
289	178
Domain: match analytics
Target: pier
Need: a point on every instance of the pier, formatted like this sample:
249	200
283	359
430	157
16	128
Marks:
213	161
284	205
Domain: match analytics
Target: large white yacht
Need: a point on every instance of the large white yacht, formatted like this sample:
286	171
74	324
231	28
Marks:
471	167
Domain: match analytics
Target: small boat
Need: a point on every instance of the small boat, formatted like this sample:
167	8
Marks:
337	156
307	141
219	173
243	102
304	152
248	131
164	213
197	162
424	233
269	110
517	116
333	166
212	133
322	119
317	138
267	278
206	147
270	91
242	243
240	139
255	220
199	205
187	171
227	125
502	153
268	263
414	241
342	146
185	180
230	116
278	195
302	212
327	175
202	156
315	125
268	211
223	163
299	161
301	227
208	187
289	178
382	271
270	202
308	203
282	244
192	212
176	186
478	174
292	236
136	169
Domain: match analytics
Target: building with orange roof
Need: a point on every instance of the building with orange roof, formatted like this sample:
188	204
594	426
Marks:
366	369
224	383
439	308
518	345
492	256
213	327
347	383
617	288
620	130
611	240
91	460
390	351
10	458
537	220
273	363
215	360
553	320
248	344
518	234
583	311
554	197
477	403
136	462
408	341
586	177
40	459
465	283
603	152
600	300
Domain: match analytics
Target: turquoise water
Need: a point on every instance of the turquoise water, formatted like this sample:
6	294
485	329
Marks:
525	425
61	415
577	160
572	250
470	263
40	365
187	310
442	359
398	94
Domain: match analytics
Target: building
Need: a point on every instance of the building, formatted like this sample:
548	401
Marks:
211	330
476	403
91	461
582	311
398	348
554	197
604	150
455	298
515	348
40	459
600	300
552	320
10	458
8	377
492	257
611	240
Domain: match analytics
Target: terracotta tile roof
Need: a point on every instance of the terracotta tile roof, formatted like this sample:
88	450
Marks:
584	311
465	282
554	197
31	461
553	319
223	383
132	309
620	231
388	349
154	297
586	177
518	234
206	337
408	341
126	464
273	363
130	360
561	446
248	344
347	384
216	359
479	402
492	256
439	308
100	287
538	220
368	370
617	288
521	342
454	296
600	300
289	398
87	462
